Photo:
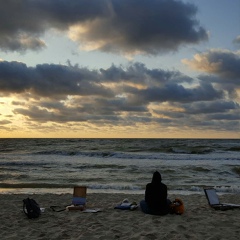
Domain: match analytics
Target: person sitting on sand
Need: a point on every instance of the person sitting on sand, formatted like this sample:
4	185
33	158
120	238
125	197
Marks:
156	201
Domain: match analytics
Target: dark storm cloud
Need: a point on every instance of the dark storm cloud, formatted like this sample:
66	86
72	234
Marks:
228	64
223	63
226	116
21	43
172	92
228	121
116	96
44	115
97	110
220	115
106	106
211	107
127	26
237	40
210	111
220	67
139	73
49	80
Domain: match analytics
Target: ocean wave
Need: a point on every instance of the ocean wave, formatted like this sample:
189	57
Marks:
236	170
227	189
44	187
21	164
200	189
35	185
199	169
109	146
121	155
235	149
100	166
193	150
113	187
50	186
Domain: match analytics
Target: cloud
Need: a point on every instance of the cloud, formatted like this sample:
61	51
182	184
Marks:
49	80
132	82
172	92
118	26
237	40
130	95
211	107
21	43
138	73
4	122
220	115
223	67
221	62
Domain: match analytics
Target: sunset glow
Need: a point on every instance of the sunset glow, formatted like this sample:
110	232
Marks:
119	69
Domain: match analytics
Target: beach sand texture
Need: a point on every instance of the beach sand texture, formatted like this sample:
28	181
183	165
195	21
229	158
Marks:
198	222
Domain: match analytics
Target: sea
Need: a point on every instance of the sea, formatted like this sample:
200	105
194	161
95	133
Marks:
118	165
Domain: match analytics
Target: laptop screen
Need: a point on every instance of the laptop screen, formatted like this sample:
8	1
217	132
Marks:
212	196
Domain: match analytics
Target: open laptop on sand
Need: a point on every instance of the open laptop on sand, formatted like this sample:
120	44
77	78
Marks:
214	202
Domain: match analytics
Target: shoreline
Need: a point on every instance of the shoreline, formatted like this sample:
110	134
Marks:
199	221
100	191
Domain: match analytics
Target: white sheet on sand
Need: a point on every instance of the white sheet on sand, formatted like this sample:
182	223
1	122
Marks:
92	210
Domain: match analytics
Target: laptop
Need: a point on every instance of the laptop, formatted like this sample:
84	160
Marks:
79	195
214	202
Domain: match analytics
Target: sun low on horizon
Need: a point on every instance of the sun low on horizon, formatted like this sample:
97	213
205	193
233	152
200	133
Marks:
120	69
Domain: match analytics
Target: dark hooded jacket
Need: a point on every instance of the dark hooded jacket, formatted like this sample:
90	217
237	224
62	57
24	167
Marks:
156	195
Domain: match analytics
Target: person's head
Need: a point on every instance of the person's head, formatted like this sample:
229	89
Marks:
157	178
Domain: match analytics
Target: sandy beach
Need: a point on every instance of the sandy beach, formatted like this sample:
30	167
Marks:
198	222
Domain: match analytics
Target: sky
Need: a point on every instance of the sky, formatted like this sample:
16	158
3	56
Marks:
120	69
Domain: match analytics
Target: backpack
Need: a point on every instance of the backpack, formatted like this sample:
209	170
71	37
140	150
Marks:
177	206
31	208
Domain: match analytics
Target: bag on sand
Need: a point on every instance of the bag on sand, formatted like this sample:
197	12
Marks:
31	208
177	206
